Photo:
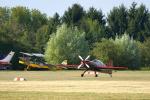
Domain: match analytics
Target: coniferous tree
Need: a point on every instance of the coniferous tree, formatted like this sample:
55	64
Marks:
117	21
138	22
73	15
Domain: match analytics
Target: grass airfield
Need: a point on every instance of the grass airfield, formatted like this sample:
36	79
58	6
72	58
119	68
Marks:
68	85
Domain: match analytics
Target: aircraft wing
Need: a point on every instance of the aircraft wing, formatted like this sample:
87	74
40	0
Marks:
66	66
27	54
32	54
111	67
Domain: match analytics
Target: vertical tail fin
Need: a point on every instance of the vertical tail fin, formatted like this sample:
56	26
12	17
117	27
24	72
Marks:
8	57
110	63
64	62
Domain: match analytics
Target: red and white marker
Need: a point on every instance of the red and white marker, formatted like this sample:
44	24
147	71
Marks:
19	79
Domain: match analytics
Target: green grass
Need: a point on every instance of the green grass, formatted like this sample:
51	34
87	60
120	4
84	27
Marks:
71	96
74	75
50	77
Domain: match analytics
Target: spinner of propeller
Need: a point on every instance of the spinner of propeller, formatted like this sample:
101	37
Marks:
84	62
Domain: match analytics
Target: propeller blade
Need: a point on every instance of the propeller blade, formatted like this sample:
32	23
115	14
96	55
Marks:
87	57
87	66
80	66
80	57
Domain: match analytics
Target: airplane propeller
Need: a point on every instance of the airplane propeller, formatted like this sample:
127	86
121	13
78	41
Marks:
80	66
87	57
83	62
87	66
80	57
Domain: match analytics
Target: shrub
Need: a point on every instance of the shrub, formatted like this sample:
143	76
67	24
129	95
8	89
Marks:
123	51
145	53
129	53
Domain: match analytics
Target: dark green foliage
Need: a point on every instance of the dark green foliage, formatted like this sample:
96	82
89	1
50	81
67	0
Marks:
21	15
53	23
42	37
19	25
96	15
94	32
117	21
94	26
4	15
37	19
139	22
73	15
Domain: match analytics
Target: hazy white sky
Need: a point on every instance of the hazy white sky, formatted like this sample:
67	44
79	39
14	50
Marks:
52	6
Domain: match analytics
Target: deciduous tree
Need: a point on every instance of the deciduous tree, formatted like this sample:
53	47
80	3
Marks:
67	43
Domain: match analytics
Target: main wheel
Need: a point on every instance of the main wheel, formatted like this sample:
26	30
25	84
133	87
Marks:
82	75
96	75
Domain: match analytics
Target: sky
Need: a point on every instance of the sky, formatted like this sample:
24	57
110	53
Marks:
50	7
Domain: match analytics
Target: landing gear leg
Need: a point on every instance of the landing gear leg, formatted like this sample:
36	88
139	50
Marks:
95	74
84	73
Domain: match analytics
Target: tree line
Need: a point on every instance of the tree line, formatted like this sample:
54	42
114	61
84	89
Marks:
22	29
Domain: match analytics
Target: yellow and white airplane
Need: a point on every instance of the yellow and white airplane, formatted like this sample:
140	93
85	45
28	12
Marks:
35	61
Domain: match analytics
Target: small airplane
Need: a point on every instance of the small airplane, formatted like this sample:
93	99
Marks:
33	61
6	61
97	66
